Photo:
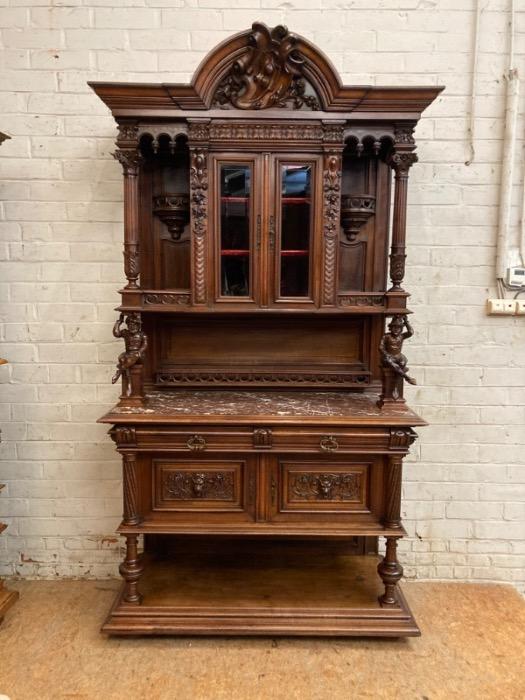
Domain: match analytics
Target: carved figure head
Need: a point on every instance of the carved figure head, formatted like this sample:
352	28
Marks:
396	325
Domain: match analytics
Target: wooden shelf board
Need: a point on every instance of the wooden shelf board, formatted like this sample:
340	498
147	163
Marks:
263	530
288	588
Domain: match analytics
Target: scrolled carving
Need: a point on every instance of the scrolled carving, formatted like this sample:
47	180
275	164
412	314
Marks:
165	298
268	74
199	219
262	438
135	342
325	486
391	345
402	438
124	436
211	485
331	211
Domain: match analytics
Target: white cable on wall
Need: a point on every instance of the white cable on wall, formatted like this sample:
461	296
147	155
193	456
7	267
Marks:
473	86
507	165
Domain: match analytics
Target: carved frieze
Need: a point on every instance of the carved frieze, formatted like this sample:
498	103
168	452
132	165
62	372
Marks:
361	300
266	132
269	74
166	298
210	485
174	378
324	486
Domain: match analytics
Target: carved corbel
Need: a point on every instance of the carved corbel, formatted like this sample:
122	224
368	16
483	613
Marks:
401	438
123	436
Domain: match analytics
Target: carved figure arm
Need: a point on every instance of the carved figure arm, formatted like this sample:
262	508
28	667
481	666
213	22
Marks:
117	328
409	330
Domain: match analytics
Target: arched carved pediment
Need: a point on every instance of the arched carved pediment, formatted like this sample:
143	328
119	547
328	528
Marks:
263	69
268	74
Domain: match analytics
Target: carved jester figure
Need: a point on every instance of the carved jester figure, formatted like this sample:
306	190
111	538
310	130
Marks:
136	343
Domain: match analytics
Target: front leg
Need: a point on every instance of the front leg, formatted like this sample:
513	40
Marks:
390	571
131	570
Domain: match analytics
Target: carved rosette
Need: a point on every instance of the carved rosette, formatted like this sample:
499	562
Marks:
331	218
199	220
268	74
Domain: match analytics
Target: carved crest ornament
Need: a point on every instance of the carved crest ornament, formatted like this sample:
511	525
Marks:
269	74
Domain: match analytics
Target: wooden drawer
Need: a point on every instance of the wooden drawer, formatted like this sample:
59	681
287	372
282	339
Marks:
195	488
193	439
330	441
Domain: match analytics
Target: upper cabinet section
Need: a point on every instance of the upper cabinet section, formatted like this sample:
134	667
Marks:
264	184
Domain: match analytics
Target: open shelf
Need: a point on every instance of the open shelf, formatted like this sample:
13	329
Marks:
198	586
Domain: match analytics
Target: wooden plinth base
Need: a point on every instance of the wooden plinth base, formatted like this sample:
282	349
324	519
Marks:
7	599
262	588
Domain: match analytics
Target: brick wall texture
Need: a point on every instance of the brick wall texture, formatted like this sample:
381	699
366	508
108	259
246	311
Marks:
60	250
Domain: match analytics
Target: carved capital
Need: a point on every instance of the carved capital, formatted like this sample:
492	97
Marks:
130	159
401	162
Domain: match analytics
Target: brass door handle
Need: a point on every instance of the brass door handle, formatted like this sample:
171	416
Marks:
196	443
328	443
258	237
271	232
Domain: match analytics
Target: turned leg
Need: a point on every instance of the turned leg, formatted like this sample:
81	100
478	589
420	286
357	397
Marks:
390	571
131	570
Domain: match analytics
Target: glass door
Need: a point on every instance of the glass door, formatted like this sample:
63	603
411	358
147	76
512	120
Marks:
237	226
291	229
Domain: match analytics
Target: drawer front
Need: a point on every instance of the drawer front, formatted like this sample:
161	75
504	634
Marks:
202	486
330	441
195	440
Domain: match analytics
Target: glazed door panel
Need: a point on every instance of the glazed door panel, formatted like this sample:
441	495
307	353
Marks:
293	225
236	224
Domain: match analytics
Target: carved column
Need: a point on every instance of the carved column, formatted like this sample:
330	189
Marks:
390	571
393	474
129	157
401	159
130	488
198	138
131	570
333	134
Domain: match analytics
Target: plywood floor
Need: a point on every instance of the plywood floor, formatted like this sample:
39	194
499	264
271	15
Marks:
473	646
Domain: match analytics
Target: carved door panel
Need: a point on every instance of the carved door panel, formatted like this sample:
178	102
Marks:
203	489
327	489
293	228
236	220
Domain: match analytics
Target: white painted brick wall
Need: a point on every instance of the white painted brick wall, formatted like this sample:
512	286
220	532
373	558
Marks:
60	266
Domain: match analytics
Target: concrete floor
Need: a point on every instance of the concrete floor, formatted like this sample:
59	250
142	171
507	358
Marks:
473	647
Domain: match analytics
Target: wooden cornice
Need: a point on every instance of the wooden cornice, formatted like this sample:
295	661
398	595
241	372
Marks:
164	99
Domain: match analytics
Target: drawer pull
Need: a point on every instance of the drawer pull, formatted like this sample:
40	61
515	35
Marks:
328	443
196	443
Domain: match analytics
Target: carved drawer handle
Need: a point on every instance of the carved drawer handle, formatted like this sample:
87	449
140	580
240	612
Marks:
196	443
328	443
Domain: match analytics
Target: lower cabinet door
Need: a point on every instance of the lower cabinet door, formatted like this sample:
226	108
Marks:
327	489
204	489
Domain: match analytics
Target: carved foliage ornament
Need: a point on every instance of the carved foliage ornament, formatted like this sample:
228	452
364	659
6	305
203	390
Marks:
210	485
325	486
269	74
130	159
199	217
331	207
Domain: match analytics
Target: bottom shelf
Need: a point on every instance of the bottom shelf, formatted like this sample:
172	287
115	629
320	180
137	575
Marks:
241	587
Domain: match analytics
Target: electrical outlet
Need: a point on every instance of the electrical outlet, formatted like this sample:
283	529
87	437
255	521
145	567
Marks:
520	307
501	307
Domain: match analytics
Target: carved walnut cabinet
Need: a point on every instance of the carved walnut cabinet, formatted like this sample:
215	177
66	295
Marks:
262	424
